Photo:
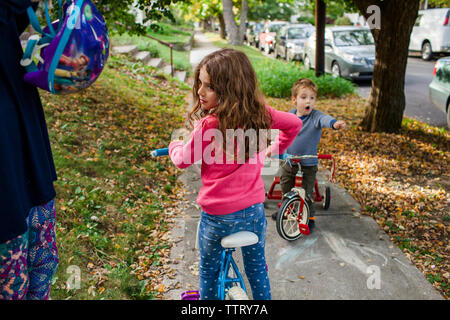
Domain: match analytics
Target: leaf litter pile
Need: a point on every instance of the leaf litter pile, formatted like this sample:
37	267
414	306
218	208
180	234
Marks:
401	180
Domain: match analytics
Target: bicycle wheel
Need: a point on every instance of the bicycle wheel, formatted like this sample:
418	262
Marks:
236	293
288	218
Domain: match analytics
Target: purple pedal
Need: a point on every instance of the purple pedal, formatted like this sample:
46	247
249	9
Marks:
190	295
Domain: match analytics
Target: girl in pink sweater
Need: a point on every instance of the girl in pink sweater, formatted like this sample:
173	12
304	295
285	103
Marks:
230	138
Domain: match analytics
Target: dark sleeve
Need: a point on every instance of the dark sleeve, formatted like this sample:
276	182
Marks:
17	10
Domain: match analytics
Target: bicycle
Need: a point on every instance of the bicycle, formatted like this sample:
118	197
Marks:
231	283
293	216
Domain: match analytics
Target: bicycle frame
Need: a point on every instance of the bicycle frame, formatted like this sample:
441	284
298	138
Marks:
227	262
225	281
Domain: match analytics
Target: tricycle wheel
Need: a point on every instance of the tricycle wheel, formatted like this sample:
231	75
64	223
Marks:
287	222
326	198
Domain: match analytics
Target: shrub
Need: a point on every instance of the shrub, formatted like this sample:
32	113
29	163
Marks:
276	79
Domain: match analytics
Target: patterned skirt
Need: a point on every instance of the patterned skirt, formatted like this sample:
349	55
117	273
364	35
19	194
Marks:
28	262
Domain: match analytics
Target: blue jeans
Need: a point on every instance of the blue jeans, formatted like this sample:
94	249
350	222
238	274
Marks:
212	229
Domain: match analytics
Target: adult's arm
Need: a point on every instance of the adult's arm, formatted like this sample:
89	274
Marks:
16	10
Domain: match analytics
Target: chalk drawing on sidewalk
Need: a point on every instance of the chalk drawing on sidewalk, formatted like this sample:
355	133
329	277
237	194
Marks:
292	254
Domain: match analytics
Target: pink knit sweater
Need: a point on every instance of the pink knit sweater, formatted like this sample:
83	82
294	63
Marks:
230	186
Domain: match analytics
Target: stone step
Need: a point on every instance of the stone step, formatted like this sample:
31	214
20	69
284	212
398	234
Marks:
167	69
181	75
127	49
155	62
143	56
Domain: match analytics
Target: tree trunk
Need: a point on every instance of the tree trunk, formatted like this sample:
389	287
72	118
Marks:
243	20
235	32
223	33
386	104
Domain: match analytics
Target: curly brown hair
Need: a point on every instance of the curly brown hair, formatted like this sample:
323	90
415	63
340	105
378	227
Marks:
241	104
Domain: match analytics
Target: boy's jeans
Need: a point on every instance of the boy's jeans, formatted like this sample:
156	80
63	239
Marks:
287	181
212	229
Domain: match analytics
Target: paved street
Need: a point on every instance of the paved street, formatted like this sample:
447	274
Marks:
419	74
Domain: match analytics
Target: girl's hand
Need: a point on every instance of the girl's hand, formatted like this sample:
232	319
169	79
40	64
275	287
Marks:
268	154
339	125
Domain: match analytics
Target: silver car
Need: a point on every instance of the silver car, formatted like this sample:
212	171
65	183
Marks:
440	86
349	52
290	40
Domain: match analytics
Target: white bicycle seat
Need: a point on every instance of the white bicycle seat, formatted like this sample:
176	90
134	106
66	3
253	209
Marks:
239	239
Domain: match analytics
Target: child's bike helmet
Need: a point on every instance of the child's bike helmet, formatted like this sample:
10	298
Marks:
71	51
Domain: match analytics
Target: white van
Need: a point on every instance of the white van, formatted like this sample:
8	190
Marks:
431	33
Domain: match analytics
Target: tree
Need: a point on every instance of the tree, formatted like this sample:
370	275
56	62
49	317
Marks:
386	103
205	10
273	10
235	32
384	112
437	3
335	8
120	18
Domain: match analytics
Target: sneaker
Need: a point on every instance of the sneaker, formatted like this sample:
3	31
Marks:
311	225
274	215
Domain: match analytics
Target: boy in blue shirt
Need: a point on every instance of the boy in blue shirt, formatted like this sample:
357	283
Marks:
304	95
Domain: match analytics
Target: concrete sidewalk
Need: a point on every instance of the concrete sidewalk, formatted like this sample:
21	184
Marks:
347	256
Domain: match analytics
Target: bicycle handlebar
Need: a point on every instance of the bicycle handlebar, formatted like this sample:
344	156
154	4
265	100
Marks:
160	152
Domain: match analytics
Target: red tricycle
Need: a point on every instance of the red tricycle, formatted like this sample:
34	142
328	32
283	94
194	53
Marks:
293	215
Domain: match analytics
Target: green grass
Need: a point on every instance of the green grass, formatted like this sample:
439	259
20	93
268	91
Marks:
276	77
110	194
175	35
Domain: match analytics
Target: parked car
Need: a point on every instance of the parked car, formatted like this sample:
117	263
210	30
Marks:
349	52
440	86
431	33
267	35
290	40
252	33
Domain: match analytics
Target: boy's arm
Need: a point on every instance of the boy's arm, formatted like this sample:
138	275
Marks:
327	121
338	125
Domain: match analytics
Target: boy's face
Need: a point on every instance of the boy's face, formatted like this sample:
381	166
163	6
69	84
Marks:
304	101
